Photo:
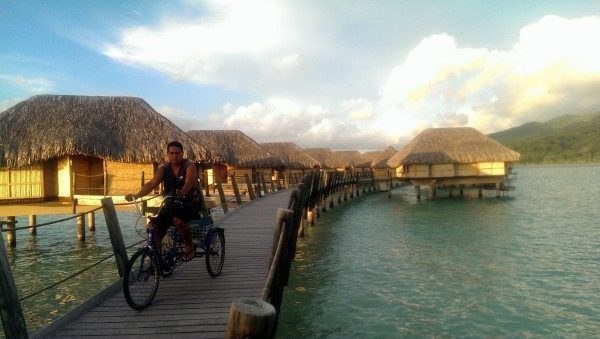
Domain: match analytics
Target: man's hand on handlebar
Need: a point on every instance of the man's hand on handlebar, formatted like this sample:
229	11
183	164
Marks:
130	197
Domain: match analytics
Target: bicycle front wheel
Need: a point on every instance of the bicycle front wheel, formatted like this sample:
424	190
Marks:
215	254
141	279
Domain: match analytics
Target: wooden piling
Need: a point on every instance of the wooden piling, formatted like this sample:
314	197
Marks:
249	186
74	206
250	318
80	227
10	306
497	190
310	216
222	195
236	191
461	192
480	194
91	217
11	235
450	191
32	223
430	192
418	191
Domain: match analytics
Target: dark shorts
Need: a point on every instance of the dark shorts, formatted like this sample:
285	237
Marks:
185	211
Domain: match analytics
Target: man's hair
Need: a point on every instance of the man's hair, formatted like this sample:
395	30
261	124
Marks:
175	143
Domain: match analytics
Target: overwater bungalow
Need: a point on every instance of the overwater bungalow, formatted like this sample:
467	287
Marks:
239	154
60	147
371	155
294	159
382	172
325	156
453	157
351	160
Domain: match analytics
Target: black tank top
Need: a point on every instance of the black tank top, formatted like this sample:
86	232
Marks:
174	182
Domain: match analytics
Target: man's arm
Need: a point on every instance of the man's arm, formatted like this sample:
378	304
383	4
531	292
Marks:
190	179
148	187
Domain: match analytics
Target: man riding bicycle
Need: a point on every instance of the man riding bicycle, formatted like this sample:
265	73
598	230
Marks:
178	176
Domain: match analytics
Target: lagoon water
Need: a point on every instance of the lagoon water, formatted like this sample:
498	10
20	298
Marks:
378	267
527	265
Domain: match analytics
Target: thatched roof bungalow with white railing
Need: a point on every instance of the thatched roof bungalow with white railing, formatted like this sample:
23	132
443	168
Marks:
64	146
239	154
451	157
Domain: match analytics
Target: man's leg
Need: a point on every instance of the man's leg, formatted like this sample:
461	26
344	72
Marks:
184	231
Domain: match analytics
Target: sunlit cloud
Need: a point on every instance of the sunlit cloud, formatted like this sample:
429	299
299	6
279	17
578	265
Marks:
553	68
548	72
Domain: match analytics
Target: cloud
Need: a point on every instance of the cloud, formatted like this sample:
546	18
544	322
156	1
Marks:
553	69
30	85
235	43
311	89
181	118
279	119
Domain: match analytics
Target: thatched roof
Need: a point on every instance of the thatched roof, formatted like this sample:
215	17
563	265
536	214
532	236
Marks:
452	145
324	156
371	155
381	160
235	148
351	158
290	154
123	129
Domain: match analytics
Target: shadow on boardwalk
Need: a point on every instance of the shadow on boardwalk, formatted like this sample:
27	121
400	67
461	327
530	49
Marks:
190	303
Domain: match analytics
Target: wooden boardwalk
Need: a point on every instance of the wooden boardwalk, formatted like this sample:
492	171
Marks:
190	303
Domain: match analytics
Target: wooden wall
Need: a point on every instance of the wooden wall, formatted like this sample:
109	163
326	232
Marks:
24	182
452	170
124	178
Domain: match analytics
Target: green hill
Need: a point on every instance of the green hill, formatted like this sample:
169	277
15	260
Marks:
569	138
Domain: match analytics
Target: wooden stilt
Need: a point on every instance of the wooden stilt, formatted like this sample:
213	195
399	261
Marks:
497	190
310	216
430	191
91	221
32	223
461	192
418	191
80	227
11	235
480	192
450	191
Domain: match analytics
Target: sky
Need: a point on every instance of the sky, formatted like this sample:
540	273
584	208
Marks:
331	73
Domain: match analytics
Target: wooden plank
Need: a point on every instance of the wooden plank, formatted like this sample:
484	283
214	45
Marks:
190	303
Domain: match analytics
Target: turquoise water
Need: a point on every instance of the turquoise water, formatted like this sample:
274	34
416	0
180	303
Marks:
526	265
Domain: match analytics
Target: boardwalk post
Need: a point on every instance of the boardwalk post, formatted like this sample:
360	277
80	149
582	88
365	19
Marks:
250	189
32	223
236	190
116	237
222	195
74	206
250	318
10	307
11	235
80	227
418	191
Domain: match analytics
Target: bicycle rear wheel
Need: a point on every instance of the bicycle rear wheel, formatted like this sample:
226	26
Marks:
141	279
215	254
